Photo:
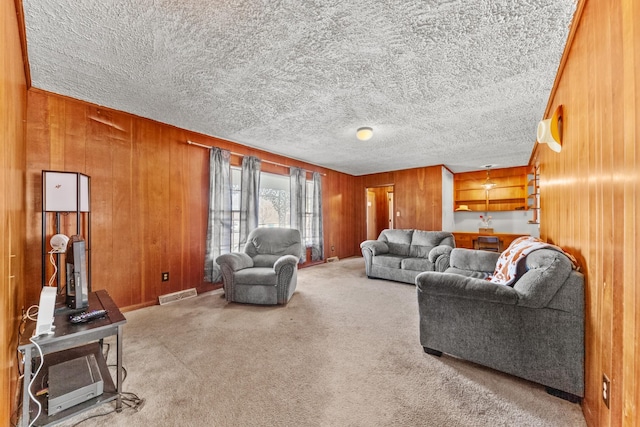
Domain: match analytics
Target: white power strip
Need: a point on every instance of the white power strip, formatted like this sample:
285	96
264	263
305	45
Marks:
44	324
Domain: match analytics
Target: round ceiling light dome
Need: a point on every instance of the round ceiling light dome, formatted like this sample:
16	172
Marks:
364	133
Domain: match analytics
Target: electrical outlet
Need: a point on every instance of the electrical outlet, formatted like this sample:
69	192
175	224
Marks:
606	390
165	276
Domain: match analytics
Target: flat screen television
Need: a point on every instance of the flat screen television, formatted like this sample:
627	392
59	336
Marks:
77	288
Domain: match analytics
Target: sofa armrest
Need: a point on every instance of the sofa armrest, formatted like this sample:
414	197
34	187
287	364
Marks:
438	251
286	269
235	260
284	261
375	246
473	260
457	286
440	257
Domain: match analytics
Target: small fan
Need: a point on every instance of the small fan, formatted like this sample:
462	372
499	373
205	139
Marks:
59	243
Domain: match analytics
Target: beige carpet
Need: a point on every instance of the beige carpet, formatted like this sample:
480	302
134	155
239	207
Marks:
345	351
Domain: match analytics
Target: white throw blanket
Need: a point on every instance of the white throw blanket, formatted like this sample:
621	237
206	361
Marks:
507	265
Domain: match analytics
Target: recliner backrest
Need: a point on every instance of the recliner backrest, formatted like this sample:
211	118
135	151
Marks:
266	245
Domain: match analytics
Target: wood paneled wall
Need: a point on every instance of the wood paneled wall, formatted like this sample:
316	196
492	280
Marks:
148	192
13	107
148	196
417	196
590	195
339	203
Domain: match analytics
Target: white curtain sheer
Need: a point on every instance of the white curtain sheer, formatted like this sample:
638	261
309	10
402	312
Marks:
298	190
316	238
249	197
219	221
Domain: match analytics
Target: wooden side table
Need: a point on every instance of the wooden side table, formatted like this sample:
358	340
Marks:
68	342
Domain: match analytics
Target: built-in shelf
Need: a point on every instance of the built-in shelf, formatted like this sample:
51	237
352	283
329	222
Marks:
509	194
533	197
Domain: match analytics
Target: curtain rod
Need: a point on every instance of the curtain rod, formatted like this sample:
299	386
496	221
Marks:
242	155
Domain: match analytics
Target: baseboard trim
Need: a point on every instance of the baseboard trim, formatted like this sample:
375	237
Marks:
563	395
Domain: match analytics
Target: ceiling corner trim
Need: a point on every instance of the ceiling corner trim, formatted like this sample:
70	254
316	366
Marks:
22	32
575	23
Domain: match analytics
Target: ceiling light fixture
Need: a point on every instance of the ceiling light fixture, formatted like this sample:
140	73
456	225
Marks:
488	184
364	133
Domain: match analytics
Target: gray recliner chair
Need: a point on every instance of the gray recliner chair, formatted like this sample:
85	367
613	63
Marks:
266	271
533	329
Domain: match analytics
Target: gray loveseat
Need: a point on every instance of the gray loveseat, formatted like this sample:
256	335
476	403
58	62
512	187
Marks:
401	255
533	329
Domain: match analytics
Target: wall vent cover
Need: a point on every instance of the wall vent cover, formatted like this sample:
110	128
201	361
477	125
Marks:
177	296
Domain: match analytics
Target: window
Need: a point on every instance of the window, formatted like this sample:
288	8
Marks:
274	205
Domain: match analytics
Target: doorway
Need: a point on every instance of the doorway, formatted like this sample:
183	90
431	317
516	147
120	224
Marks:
380	208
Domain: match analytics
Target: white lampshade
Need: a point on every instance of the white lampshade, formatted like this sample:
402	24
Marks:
550	131
60	191
364	133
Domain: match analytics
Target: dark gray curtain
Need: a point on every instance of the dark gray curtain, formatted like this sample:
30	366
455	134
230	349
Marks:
316	238
219	222
298	189
249	197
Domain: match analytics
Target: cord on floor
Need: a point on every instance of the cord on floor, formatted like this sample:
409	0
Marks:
129	401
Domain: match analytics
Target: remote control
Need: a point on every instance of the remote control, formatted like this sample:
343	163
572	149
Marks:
87	316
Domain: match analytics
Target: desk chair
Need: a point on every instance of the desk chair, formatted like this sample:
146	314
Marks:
488	243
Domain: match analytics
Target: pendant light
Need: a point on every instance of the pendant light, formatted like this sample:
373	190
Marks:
488	184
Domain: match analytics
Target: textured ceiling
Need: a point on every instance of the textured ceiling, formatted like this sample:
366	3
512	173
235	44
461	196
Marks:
455	82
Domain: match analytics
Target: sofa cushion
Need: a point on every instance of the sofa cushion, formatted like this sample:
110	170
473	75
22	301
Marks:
473	260
256	276
417	264
265	260
388	260
399	241
423	241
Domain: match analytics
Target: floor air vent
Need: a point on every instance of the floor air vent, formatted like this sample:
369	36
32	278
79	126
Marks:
177	296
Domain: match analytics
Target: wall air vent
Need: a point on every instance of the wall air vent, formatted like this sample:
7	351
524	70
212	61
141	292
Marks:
177	296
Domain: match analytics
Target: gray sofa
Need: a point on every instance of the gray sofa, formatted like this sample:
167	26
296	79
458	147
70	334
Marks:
266	272
533	329
401	255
